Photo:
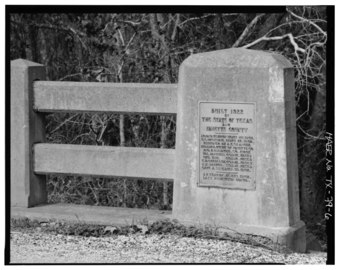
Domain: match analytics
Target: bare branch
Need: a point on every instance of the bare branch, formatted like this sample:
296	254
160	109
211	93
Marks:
196	18
307	110
121	37
78	136
70	75
131	23
52	27
175	27
247	29
130	41
281	25
125	53
64	122
205	16
265	38
75	33
308	21
155	29
309	135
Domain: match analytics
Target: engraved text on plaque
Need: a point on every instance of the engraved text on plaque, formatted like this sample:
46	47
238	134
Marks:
227	134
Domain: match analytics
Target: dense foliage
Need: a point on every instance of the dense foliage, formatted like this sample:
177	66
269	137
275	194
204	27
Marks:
148	48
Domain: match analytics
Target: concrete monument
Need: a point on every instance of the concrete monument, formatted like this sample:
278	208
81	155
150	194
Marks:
236	155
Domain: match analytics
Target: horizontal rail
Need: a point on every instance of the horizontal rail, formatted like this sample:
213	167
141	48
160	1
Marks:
105	97
104	161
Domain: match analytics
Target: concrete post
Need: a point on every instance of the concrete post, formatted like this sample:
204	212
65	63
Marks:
236	157
27	128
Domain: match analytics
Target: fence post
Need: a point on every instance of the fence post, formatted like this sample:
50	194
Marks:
27	128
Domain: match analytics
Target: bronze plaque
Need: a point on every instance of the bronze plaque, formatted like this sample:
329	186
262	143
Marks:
227	135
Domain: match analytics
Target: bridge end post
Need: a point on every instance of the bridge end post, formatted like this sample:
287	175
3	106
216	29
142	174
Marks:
236	153
27	128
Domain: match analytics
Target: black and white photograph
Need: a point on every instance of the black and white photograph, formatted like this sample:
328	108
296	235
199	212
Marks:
169	135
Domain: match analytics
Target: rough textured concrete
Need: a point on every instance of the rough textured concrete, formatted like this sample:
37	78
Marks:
104	161
240	75
105	97
293	237
99	215
27	128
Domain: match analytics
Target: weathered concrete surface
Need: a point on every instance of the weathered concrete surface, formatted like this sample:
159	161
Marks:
27	128
98	215
105	97
240	75
293	237
106	161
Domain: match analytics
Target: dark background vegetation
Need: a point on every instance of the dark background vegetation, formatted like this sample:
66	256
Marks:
148	48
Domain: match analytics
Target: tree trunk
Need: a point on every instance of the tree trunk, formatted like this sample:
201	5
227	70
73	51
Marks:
155	21
163	145
272	21
218	32
311	158
122	139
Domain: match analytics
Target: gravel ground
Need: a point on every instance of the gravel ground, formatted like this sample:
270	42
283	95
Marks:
33	246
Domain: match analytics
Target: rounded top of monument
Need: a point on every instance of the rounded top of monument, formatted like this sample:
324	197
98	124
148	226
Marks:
237	57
